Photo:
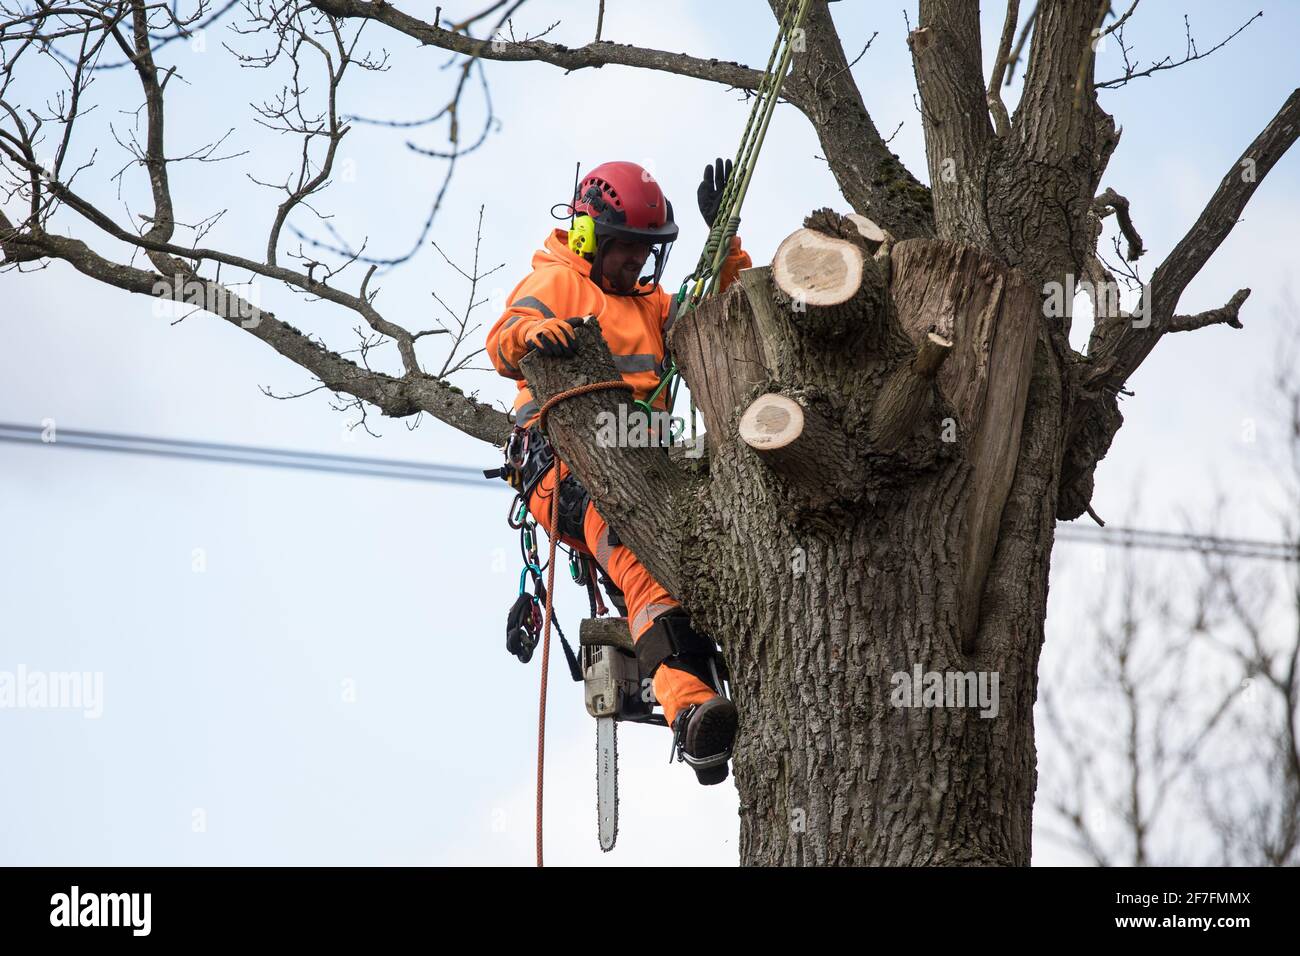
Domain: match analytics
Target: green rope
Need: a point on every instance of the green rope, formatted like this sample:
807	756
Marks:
746	153
727	221
738	186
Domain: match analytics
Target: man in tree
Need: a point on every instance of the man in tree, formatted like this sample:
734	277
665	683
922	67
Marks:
621	218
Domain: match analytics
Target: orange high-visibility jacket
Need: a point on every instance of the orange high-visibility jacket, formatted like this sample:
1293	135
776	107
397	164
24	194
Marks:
560	285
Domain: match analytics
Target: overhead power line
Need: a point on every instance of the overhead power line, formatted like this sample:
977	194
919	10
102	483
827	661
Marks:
1176	541
247	455
462	475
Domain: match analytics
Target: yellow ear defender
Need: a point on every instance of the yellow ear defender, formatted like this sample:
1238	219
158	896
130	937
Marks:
582	237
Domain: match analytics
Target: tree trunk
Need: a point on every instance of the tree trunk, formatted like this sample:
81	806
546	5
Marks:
820	616
821	608
843	563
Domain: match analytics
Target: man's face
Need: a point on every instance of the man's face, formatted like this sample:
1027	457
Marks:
622	263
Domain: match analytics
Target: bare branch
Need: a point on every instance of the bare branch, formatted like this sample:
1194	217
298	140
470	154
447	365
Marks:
397	397
1117	350
602	53
820	85
1226	314
1111	201
1002	122
1062	40
1020	44
1089	53
873	180
1168	62
955	113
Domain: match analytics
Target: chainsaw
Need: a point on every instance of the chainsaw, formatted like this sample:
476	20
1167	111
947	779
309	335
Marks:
613	690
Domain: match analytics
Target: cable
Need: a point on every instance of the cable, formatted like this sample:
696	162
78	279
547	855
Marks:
359	466
248	455
1178	541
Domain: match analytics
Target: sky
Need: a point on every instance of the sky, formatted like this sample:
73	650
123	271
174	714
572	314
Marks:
308	669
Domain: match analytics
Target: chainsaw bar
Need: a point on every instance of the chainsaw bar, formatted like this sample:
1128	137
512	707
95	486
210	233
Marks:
607	781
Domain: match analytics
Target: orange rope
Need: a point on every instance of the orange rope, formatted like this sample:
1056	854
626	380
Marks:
553	535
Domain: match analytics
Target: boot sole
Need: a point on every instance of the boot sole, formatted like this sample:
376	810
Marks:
713	731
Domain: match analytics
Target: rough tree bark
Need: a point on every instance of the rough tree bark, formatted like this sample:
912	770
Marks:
894	422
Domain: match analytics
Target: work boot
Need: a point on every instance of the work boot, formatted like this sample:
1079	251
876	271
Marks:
704	727
703	735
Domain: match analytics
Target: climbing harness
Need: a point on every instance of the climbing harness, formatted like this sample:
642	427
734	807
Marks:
524	622
528	457
704	280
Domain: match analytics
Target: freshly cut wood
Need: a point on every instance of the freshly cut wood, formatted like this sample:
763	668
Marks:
816	270
829	286
934	349
796	441
771	423
873	234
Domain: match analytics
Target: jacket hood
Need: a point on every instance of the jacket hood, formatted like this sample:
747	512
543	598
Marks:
556	251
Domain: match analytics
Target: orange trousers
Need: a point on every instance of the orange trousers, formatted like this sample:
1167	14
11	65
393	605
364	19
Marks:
646	599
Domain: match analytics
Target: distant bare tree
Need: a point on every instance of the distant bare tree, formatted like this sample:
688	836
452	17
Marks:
1175	729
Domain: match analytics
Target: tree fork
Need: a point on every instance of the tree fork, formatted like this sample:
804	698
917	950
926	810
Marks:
730	346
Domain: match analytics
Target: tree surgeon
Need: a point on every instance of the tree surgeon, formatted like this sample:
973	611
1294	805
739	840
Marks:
620	219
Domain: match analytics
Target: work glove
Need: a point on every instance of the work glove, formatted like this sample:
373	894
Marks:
554	337
709	194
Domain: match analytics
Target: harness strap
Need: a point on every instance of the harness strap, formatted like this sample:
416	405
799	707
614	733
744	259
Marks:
672	636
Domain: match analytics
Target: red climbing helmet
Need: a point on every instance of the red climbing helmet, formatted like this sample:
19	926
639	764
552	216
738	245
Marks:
625	202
